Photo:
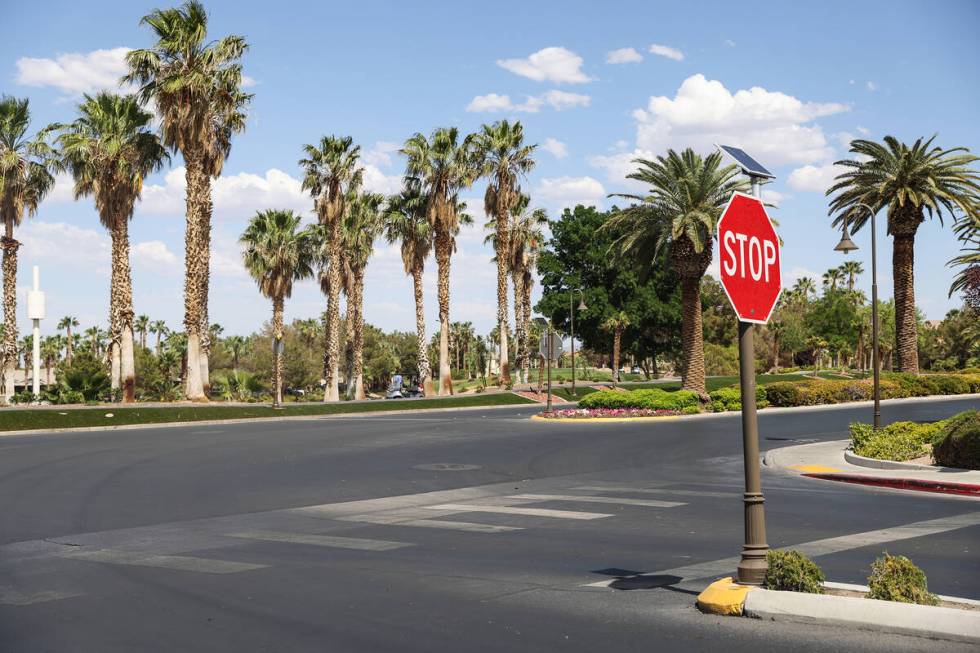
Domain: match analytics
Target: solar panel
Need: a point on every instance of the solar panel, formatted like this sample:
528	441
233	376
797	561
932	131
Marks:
749	165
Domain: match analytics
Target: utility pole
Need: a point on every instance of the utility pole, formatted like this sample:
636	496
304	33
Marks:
35	312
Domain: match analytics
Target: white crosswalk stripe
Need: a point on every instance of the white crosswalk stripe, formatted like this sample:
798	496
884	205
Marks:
516	510
649	503
355	543
179	563
401	520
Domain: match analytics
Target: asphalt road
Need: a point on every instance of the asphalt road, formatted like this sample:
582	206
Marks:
474	530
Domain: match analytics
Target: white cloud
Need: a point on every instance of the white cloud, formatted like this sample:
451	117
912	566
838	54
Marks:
555	147
154	252
63	243
775	127
816	179
774	197
378	182
562	192
666	51
863	131
249	82
557	100
75	73
624	55
871	86
620	164
554	64
730	43
380	153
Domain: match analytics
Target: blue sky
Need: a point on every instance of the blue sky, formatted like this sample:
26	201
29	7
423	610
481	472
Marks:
595	84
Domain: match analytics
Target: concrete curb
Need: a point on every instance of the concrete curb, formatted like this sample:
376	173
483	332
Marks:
248	420
866	614
874	463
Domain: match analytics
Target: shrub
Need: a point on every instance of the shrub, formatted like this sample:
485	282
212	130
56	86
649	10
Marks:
86	375
730	398
70	397
898	441
792	571
720	360
810	392
652	399
784	393
691	410
895	578
23	397
958	442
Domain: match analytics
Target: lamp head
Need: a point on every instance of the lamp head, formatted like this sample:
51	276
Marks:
581	305
846	244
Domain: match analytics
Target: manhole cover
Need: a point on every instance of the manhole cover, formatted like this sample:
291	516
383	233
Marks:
447	467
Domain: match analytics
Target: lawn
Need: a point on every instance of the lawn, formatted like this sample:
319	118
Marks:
19	420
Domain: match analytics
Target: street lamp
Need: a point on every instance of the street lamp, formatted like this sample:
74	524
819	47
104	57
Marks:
847	245
550	341
571	317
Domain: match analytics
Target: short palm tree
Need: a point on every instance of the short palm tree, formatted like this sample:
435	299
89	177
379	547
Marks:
160	330
277	253
851	270
910	182
502	156
25	178
330	170
405	223
804	288
141	324
362	225
687	195
67	323
831	278
616	324
50	350
236	346
196	87
109	150
443	165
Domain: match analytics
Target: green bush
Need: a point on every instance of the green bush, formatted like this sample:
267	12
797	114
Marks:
895	578
23	397
898	441
958	442
70	397
691	410
86	375
730	398
811	392
791	571
652	399
720	360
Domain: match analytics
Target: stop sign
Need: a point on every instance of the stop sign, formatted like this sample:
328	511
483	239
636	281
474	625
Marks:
749	250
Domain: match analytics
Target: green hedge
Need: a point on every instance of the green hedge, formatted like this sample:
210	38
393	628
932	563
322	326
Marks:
730	398
958	444
652	399
811	392
898	441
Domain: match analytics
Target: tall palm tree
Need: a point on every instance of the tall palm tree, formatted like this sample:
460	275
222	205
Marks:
443	165
67	323
503	158
616	324
158	328
93	334
50	349
687	195
831	278
141	324
405	223
109	150
911	182
195	85
25	178
362	225
330	171
804	288
851	270
277	253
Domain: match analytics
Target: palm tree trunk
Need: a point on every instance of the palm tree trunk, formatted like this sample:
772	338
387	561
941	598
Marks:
194	261
8	350
775	354
503	250
277	310
444	247
541	364
204	282
68	346
692	336
521	354
425	372
357	298
122	301
906	329
617	341
332	358
526	287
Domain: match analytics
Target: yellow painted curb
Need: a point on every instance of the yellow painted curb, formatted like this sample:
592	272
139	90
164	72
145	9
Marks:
723	597
603	420
814	469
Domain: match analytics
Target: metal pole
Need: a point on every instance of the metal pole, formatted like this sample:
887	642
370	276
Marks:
571	315
36	344
874	320
753	565
548	349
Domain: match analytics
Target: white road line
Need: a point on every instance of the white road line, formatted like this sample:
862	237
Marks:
512	510
323	540
10	596
396	520
822	547
647	490
649	503
179	563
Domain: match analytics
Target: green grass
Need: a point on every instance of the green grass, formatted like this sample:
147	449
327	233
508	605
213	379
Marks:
19	420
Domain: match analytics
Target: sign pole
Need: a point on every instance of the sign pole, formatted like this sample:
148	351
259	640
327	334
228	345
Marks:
550	346
752	568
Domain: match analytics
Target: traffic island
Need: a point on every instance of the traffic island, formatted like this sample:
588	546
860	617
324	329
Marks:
955	619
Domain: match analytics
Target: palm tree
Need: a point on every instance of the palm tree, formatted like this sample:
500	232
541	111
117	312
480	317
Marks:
851	270
443	166
50	348
195	85
93	334
25	179
686	198
277	253
66	323
804	288
910	182
405	223
831	278
159	328
776	329
615	324
109	151
237	345
330	171
362	225
141	324
503	158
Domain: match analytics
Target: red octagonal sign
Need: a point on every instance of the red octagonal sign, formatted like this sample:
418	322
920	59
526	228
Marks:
749	250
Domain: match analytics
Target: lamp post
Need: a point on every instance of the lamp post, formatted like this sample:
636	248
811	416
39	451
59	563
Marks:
847	245
571	317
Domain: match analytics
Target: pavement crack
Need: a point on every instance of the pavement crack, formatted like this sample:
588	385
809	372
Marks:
44	539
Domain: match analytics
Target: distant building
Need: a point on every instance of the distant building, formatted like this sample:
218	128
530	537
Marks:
19	380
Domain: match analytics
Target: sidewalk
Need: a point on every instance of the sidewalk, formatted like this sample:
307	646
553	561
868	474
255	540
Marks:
831	461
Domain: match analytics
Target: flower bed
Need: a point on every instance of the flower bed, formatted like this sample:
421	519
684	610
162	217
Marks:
583	413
